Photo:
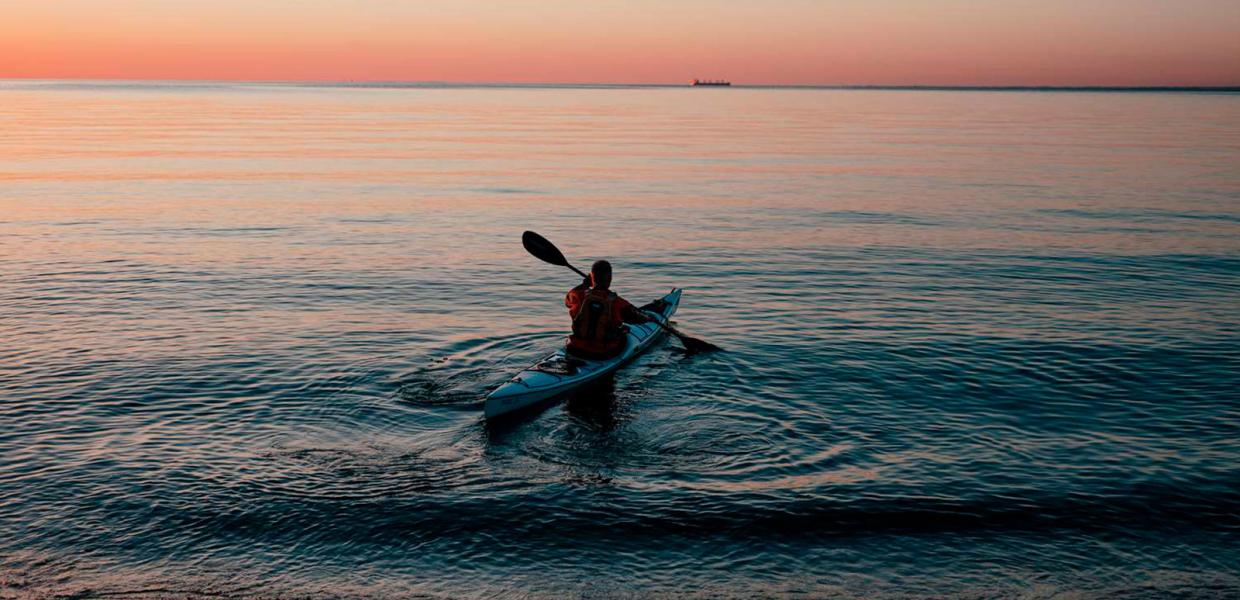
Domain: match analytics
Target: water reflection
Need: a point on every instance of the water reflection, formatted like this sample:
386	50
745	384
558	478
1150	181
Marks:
256	327
596	406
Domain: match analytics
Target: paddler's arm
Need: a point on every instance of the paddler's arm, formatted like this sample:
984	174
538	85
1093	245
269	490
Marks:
630	314
573	299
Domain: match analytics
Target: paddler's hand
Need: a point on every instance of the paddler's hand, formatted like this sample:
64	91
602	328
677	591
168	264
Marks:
633	315
586	283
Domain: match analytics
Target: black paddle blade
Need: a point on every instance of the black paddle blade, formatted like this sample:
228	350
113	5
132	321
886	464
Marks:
543	249
694	345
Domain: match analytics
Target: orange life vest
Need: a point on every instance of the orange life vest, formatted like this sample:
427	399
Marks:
596	330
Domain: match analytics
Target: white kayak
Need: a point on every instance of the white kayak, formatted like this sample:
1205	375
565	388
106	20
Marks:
561	373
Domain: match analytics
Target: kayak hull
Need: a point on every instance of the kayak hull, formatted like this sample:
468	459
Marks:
560	373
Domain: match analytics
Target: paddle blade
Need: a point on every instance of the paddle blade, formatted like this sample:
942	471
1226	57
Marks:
694	345
543	249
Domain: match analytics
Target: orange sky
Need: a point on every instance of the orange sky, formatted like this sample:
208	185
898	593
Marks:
936	42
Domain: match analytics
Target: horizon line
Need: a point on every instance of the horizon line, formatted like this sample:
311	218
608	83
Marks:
399	83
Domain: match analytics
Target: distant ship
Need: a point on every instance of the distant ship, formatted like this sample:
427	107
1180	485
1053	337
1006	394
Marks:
710	82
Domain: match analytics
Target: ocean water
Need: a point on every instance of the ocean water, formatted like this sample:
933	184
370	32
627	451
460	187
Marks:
977	344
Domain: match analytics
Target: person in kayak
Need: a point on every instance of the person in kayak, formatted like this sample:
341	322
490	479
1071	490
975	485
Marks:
598	315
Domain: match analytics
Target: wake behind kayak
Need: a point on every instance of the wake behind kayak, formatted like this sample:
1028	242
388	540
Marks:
561	372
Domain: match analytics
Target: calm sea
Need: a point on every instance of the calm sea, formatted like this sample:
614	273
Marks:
981	344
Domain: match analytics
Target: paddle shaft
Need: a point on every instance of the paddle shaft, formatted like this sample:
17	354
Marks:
577	270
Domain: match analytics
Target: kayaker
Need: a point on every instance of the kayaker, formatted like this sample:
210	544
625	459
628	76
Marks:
598	314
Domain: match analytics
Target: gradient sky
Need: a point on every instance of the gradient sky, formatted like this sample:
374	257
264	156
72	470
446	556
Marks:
937	42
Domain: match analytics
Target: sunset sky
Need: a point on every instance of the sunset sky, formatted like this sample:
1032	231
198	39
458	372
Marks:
935	42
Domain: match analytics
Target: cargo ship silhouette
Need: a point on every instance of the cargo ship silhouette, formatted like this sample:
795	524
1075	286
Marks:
718	82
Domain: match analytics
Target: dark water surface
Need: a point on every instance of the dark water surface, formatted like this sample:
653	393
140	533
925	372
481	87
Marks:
978	344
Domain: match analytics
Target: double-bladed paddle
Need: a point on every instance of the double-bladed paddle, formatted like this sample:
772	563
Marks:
544	250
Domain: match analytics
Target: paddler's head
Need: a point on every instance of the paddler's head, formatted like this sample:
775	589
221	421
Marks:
600	274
